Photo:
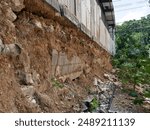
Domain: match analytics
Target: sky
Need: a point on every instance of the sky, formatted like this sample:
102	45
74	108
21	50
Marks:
126	10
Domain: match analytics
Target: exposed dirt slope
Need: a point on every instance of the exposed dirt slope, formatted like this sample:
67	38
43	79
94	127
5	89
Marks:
29	31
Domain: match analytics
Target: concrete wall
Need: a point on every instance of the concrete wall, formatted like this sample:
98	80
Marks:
64	67
87	15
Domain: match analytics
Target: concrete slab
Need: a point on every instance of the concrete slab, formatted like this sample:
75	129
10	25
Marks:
85	30
73	60
54	4
54	59
53	70
65	70
61	60
78	60
66	13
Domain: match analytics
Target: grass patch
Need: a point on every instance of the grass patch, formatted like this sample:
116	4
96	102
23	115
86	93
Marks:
138	101
147	93
94	104
82	42
56	83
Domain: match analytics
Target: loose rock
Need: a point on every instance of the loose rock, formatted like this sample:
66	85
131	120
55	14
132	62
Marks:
17	5
1	46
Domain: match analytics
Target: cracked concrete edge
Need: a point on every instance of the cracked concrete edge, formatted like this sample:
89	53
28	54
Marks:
55	4
71	17
64	12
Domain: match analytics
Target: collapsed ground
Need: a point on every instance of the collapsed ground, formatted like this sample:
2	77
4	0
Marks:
29	32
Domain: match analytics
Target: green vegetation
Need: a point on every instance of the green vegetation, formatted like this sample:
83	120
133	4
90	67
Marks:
88	89
94	104
82	42
138	101
147	93
133	52
56	83
133	56
126	90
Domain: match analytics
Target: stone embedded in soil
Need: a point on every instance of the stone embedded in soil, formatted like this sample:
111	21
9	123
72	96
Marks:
117	83
6	13
89	98
36	77
10	49
28	90
1	46
29	80
113	71
14	49
17	5
37	24
25	78
10	14
32	100
76	108
139	89
44	101
147	100
6	50
146	103
110	77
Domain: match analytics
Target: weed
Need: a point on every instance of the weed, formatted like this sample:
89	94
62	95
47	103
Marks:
94	104
147	93
82	42
138	101
88	89
56	83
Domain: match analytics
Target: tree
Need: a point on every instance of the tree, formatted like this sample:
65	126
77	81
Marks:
132	53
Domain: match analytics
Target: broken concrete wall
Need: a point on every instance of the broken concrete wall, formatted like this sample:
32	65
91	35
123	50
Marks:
87	15
63	67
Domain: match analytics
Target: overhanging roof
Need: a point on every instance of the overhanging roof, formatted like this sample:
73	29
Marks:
108	9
